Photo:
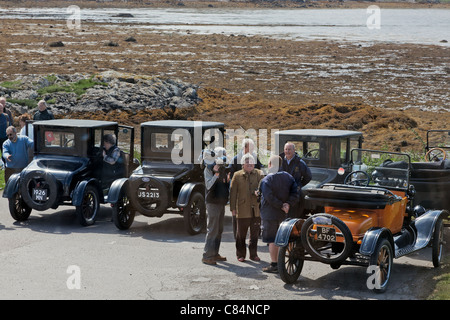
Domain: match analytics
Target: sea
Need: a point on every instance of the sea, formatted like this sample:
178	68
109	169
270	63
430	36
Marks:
368	25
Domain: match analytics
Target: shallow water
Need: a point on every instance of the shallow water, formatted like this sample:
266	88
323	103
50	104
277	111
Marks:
420	26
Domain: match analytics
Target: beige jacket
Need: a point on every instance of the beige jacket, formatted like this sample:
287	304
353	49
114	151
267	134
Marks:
242	193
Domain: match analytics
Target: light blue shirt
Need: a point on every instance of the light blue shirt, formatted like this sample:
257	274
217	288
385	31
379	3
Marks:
18	151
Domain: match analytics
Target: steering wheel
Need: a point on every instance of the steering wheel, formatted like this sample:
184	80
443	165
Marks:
434	153
312	154
354	179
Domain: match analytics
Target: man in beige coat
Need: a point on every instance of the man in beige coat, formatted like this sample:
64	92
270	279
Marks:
245	207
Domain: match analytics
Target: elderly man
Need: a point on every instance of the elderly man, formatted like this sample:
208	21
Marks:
295	166
278	194
7	111
15	152
245	207
43	113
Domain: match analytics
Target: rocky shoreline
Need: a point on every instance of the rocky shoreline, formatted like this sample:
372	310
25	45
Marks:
103	92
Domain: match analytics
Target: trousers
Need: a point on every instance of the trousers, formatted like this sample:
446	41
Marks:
243	224
214	229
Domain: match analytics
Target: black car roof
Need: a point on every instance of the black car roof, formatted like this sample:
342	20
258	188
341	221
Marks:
76	123
182	124
320	132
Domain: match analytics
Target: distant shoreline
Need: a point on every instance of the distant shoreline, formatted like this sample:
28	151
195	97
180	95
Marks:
222	4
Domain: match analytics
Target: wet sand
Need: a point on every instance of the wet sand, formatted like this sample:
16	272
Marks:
391	92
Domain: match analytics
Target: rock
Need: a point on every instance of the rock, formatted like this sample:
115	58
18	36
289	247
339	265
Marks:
123	15
56	44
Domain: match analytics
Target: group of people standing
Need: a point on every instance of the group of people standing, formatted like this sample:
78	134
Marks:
256	201
16	145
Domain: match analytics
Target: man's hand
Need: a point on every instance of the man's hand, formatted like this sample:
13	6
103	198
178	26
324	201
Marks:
8	158
285	207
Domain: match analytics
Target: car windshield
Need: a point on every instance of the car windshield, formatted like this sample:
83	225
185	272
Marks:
379	169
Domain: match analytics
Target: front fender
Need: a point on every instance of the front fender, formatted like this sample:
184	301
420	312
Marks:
285	233
78	192
425	226
12	186
371	237
114	190
185	193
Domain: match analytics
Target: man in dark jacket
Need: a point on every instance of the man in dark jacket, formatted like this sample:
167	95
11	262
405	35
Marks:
278	194
217	193
296	167
43	113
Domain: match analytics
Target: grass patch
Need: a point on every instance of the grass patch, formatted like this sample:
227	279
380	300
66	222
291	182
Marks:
78	87
442	291
29	103
11	84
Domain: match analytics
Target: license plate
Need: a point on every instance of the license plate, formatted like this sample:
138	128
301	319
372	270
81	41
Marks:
39	194
152	194
326	234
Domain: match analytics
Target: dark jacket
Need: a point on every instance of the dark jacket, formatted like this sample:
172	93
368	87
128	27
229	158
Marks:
276	189
298	169
44	115
217	188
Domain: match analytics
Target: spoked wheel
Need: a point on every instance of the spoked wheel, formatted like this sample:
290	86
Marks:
195	214
90	205
326	238
438	243
290	261
122	212
19	210
382	259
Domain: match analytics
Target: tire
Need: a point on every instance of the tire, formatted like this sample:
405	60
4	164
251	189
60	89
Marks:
326	251
43	180
18	209
90	206
150	207
195	214
290	261
382	258
437	245
122	212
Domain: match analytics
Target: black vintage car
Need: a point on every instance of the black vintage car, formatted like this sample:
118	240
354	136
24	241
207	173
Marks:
68	168
170	178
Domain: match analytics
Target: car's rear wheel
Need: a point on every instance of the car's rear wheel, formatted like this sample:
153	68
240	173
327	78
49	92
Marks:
326	238
290	261
438	243
90	206
382	259
123	212
19	210
195	214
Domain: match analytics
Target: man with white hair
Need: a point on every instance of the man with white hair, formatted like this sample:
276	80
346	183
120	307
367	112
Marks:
43	113
8	112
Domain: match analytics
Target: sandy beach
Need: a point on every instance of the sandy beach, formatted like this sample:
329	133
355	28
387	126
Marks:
392	92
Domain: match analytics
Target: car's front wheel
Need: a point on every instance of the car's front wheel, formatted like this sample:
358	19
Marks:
122	212
195	214
19	210
381	261
90	205
290	261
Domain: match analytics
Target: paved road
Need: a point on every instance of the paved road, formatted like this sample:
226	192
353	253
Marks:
50	256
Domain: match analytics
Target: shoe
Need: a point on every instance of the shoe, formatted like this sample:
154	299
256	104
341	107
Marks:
255	258
270	269
241	259
220	258
209	261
